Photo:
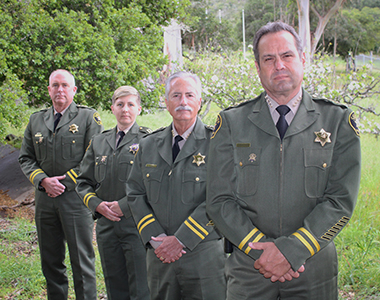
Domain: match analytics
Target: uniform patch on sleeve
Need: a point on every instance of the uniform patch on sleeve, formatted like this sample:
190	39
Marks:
352	122
97	119
217	126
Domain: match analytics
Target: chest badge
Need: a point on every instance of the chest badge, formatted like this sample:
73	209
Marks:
322	136
104	158
199	159
134	148
252	157
73	128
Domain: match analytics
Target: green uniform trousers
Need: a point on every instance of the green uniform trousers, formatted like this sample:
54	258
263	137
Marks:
122	240
59	219
185	281
317	282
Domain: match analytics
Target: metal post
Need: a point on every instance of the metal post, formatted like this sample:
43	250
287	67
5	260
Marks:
220	16
243	33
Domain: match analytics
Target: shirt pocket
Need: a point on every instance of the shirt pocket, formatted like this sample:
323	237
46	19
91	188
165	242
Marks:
40	147
100	168
317	166
247	165
193	185
124	166
153	183
72	147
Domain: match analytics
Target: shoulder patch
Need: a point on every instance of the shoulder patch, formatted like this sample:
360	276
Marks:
352	122
218	123
97	119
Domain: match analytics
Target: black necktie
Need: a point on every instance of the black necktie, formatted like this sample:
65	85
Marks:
282	125
121	135
57	118
176	146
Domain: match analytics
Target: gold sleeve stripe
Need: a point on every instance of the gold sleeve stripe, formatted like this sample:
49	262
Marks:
245	240
73	172
87	197
31	177
303	241
311	238
72	176
194	230
198	225
258	238
146	224
143	219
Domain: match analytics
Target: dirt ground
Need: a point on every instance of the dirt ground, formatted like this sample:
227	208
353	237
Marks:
16	192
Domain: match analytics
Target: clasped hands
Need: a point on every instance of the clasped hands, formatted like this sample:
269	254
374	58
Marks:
273	264
169	250
110	210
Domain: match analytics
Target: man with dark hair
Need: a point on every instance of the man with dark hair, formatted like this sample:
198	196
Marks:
167	194
283	178
54	143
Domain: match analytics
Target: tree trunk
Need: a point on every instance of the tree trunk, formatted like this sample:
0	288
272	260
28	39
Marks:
323	20
304	27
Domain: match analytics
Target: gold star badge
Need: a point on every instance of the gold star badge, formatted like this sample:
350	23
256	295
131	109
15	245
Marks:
199	159
323	137
134	148
73	128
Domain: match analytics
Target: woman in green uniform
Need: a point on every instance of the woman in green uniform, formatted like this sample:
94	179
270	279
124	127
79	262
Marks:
101	185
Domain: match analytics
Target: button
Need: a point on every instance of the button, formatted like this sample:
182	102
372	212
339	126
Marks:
197	179
131	162
240	164
147	175
73	142
324	165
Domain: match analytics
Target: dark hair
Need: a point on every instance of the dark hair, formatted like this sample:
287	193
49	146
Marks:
273	27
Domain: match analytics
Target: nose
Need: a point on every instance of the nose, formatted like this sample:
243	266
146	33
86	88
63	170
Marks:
60	88
279	65
183	101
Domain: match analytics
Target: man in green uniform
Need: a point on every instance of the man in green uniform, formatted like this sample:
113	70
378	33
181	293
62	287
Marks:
167	194
101	185
55	141
283	179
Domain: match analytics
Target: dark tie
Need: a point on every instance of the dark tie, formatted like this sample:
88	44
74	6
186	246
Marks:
176	149
121	135
57	117
282	125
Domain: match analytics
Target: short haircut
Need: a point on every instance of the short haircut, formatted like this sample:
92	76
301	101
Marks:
273	27
126	90
183	74
62	70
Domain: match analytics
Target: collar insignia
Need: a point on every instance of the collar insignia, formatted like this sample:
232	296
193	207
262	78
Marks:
73	128
323	137
134	148
199	159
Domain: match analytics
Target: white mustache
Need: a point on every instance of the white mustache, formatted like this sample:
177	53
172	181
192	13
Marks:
183	108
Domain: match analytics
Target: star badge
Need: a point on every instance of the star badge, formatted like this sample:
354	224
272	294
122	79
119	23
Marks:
199	159
252	157
323	137
104	158
73	128
134	148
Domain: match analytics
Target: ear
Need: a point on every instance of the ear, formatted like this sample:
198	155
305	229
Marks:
303	59
139	109
75	89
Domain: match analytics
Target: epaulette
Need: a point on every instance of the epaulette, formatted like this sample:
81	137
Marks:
210	127
330	102
82	106
145	129
107	130
40	111
245	102
158	130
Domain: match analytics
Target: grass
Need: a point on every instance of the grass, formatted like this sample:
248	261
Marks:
358	245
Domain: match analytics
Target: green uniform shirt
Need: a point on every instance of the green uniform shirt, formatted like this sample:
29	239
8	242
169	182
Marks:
299	192
169	197
45	153
105	168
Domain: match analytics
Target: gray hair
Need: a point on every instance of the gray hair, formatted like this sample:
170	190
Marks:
183	74
273	27
62	70
126	90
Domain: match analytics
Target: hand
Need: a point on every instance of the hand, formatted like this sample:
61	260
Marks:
115	207
170	249
104	208
273	264
52	185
